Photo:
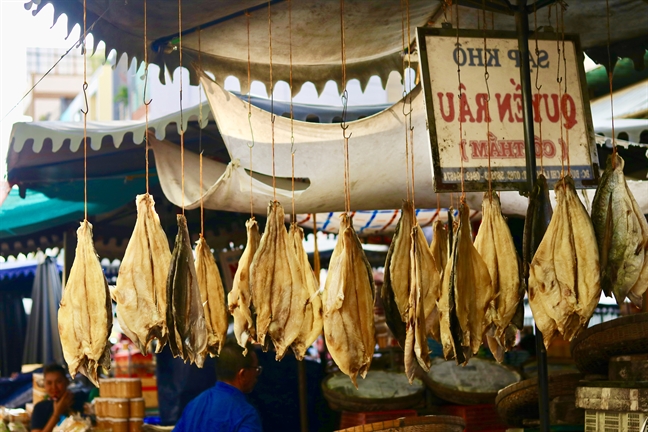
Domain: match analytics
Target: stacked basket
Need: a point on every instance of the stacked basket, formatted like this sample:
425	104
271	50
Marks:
121	406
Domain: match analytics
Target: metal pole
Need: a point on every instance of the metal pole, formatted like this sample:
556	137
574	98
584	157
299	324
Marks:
522	26
303	396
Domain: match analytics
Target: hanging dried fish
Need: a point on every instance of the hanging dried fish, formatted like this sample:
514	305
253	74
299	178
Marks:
424	293
140	292
494	243
85	315
468	281
622	236
348	304
312	324
212	295
439	249
240	298
185	315
276	283
564	285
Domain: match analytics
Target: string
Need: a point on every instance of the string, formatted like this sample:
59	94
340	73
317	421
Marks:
146	104
486	77
343	125
292	117
85	117
559	81
316	257
272	116
251	144
463	193
409	113
564	106
610	72
537	86
200	149
407	170
181	118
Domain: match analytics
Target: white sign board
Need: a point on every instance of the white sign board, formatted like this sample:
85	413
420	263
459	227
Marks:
489	112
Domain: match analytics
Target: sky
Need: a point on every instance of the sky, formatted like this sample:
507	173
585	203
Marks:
19	29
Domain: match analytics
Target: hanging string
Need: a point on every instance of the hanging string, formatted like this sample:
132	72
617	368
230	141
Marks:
409	113
610	71
316	257
85	116
407	170
461	95
292	116
272	116
564	104
343	125
250	144
200	149
146	104
538	86
559	81
181	118
488	97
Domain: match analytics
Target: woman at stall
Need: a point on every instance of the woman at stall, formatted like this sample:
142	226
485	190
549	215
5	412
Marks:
60	403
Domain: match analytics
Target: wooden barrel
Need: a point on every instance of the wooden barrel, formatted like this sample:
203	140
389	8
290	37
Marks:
434	423
379	391
519	402
477	383
593	348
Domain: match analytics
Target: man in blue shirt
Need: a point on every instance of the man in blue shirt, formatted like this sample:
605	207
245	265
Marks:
223	408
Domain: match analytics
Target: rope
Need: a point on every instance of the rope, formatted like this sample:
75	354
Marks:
272	116
343	125
251	144
146	104
559	81
463	192
409	113
538	87
85	118
292	117
564	108
181	117
486	77
316	256
610	72
407	170
200	149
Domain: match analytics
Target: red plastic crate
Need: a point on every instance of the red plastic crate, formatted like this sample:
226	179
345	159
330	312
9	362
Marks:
351	419
478	417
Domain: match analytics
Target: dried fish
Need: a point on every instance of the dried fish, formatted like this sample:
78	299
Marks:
622	236
276	283
439	249
564	285
140	292
348	304
240	298
185	315
312	325
85	315
212	295
494	243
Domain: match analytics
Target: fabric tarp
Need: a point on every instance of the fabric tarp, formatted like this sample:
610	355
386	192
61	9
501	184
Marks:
630	110
378	178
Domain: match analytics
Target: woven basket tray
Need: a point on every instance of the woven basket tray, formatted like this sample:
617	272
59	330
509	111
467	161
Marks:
342	402
433	423
519	402
595	346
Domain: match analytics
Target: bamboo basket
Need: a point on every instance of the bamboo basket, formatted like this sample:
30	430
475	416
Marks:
433	423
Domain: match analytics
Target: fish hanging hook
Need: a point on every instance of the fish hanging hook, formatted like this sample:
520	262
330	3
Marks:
85	97
145	87
344	125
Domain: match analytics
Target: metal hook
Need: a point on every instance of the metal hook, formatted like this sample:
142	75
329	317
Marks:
292	145
145	86
250	145
85	96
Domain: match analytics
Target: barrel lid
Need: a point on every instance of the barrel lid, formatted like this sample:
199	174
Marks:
376	385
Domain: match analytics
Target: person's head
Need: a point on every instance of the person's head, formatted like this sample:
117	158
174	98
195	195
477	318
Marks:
236	369
56	381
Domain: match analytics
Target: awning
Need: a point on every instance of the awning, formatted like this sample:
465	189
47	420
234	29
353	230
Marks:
373	33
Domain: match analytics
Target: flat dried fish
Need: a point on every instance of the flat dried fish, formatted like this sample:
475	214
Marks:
240	298
439	249
494	243
564	273
185	315
212	295
622	236
276	282
85	315
312	324
140	292
348	304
